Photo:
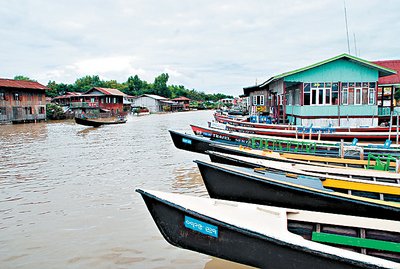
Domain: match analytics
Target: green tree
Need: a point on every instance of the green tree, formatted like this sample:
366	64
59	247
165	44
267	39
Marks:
20	77
160	85
177	91
87	82
113	84
54	112
397	94
53	89
134	85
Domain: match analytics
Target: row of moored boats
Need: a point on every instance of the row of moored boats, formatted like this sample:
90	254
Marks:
286	202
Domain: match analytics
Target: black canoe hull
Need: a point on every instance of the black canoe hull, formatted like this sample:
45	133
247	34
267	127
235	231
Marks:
230	185
236	244
190	142
218	158
94	123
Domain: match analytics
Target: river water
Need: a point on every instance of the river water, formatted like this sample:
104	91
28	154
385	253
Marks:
68	200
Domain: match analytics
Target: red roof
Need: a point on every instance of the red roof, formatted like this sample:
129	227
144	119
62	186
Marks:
106	91
22	84
68	95
392	79
182	98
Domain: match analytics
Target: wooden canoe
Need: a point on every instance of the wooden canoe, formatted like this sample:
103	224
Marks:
299	157
245	185
241	123
97	122
287	144
198	144
373	184
271	237
313	134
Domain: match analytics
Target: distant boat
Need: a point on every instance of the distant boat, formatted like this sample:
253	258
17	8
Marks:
273	237
98	122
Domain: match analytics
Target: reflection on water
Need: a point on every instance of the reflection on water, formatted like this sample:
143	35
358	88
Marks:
67	193
87	131
188	181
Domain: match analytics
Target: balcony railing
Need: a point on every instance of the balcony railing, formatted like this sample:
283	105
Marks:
84	105
383	111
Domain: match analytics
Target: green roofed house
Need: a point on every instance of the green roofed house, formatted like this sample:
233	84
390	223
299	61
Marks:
341	91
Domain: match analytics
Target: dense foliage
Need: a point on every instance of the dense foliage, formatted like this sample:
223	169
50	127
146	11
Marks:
54	112
133	86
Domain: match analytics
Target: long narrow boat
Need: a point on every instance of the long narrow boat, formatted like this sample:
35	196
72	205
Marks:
271	237
97	122
232	121
377	163
191	142
199	144
315	146
373	184
314	134
245	185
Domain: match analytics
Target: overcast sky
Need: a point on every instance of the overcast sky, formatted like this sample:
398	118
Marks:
209	45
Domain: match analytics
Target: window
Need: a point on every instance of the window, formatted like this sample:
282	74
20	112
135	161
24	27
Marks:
365	96
2	96
320	93
357	96
306	94
258	100
327	96
335	93
28	110
345	96
314	93
41	110
3	111
371	96
16	96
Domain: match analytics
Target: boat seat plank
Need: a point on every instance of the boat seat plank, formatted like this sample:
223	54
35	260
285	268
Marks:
355	242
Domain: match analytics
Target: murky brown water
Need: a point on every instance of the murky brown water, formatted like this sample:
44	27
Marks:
67	196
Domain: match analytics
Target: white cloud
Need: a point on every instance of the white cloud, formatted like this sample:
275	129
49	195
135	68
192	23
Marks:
103	65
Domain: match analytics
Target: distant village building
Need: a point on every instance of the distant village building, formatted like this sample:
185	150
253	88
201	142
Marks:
22	101
96	100
342	90
67	98
387	87
183	101
227	101
155	103
127	102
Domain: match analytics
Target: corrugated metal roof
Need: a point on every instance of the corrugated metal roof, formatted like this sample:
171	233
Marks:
22	84
68	95
157	97
182	98
392	79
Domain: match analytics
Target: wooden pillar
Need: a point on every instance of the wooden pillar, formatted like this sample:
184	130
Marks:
284	102
339	101
391	98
